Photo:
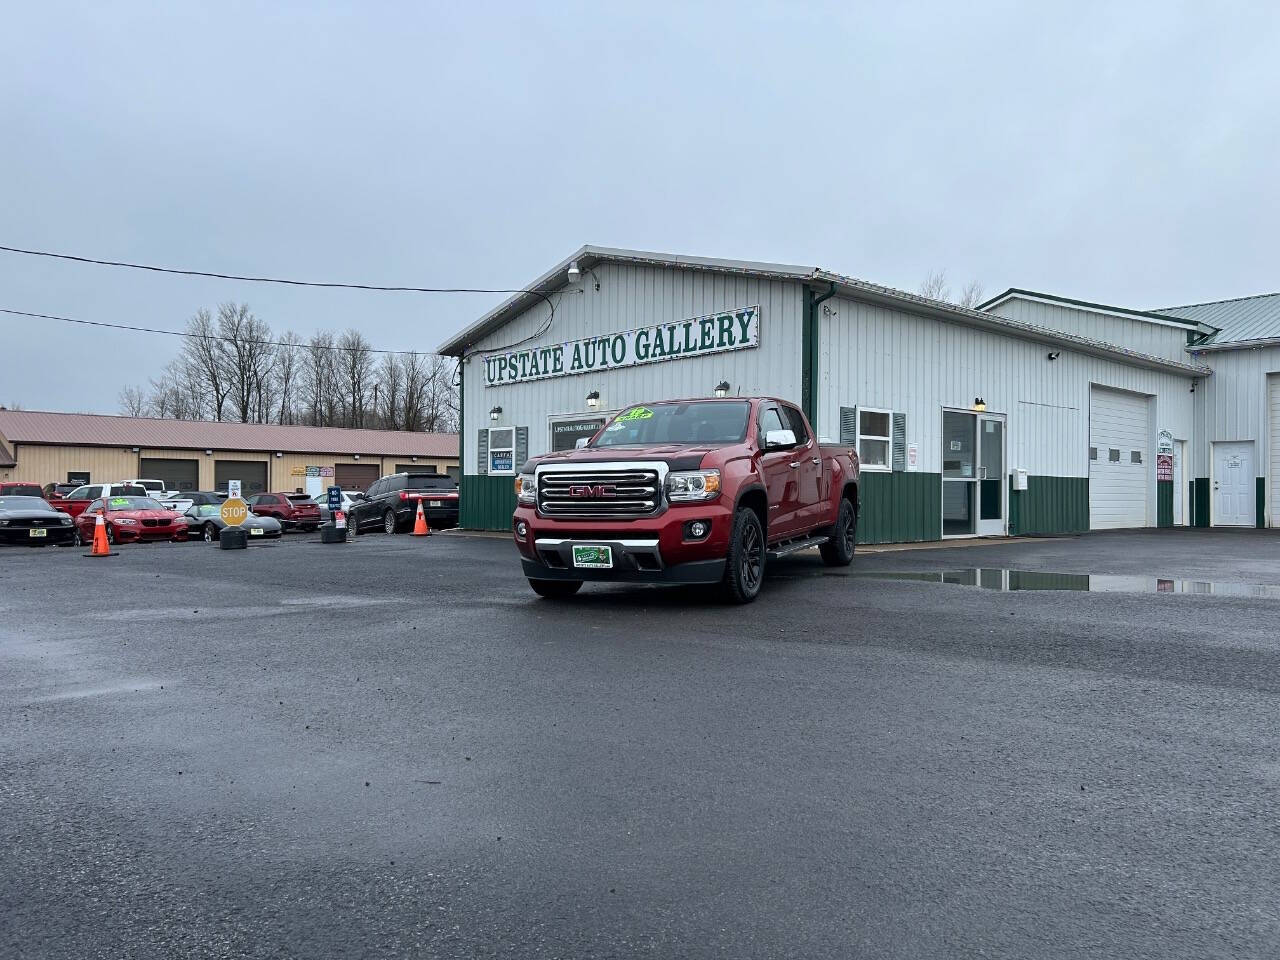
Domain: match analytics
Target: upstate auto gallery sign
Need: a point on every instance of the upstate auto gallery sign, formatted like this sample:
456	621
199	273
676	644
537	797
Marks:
737	329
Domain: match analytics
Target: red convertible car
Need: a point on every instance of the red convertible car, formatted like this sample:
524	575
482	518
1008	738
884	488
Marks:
131	520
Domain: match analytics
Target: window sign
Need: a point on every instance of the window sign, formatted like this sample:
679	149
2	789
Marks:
565	434
502	450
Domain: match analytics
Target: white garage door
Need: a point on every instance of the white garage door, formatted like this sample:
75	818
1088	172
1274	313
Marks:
1273	408
1119	434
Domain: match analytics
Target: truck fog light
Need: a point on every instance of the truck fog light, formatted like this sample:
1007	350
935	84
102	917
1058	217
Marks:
697	529
522	529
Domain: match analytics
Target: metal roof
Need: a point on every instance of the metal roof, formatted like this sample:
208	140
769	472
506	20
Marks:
1147	315
588	256
96	430
1243	320
6	458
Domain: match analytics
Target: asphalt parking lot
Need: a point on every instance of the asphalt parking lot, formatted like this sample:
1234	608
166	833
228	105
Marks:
392	748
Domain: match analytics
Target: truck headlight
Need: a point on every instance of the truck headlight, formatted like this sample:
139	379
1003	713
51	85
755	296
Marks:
526	489
4	523
690	485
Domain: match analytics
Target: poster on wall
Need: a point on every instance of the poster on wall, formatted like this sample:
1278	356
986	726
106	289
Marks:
913	457
737	329
1164	442
1164	467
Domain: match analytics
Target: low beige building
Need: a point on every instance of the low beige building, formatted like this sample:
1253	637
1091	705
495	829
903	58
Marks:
41	447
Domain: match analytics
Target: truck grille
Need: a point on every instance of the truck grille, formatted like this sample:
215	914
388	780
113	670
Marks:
601	494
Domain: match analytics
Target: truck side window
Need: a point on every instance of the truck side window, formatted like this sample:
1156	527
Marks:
770	420
797	424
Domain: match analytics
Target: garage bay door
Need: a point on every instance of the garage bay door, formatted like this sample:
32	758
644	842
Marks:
1119	432
355	476
252	475
1273	416
180	475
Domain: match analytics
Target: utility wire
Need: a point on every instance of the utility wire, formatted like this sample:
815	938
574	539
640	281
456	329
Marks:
207	336
332	285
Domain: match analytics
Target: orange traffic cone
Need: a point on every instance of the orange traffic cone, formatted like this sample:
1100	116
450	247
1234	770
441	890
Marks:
100	546
420	528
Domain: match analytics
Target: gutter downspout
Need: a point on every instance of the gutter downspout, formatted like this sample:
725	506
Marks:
811	353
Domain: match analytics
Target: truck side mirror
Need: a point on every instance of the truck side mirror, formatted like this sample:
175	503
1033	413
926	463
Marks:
779	439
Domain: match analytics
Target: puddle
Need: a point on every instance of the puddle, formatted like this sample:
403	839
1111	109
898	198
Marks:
1005	580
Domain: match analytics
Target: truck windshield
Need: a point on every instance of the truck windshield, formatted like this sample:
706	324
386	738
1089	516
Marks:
703	422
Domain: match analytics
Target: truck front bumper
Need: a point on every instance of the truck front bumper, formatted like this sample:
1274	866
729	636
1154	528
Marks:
634	561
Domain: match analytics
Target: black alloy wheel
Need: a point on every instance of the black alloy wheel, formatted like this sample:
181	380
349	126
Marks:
744	567
838	551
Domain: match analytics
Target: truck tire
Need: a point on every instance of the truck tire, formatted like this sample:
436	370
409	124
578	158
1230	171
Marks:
838	551
555	589
744	566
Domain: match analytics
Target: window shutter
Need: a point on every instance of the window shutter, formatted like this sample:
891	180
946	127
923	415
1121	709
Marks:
482	452
849	426
522	447
899	442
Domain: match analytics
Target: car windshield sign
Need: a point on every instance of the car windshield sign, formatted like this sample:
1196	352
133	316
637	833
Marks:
704	422
133	503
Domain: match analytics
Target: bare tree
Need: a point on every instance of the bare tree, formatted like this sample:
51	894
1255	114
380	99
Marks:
133	402
390	392
971	295
247	356
355	366
935	286
205	359
288	364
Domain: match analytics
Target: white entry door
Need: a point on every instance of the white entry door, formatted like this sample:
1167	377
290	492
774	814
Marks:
1179	484
1273	415
1233	484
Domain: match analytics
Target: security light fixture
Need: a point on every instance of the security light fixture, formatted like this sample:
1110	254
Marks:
415	459
208	453
279	454
722	388
1054	354
979	404
134	449
355	456
495	413
574	274
593	399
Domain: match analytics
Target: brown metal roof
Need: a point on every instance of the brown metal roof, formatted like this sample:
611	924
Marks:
95	430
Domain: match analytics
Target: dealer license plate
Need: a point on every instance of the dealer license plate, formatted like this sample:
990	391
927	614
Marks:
433	503
38	532
255	531
598	558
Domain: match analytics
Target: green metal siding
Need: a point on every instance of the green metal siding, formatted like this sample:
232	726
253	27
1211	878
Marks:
899	507
486	503
1260	504
1164	503
1050	505
1200	502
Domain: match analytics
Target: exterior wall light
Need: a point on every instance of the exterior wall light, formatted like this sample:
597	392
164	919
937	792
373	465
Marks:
979	404
355	456
722	388
495	413
279	454
1055	354
574	273
208	453
415	459
593	399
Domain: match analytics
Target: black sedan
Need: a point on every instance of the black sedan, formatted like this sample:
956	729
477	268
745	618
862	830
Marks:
32	520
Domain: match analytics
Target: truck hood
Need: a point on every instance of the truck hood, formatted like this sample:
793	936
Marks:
677	456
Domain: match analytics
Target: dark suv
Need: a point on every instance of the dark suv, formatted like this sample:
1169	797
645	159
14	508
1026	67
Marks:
392	502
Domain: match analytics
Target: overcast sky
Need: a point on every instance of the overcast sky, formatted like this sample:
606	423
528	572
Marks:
1124	153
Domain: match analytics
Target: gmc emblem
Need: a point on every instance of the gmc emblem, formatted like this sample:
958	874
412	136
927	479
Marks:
599	490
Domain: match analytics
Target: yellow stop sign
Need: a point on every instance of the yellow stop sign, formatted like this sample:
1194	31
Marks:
234	511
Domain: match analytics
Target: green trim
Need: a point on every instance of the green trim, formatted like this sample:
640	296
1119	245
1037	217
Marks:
899	507
1049	505
486	503
1164	503
1200	502
1260	504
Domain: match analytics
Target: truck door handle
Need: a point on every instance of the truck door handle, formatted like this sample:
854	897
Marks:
795	464
817	460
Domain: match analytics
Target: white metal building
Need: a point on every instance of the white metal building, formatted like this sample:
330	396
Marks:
947	406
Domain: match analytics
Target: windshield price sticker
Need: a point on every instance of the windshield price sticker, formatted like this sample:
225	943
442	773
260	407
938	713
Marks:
636	413
119	501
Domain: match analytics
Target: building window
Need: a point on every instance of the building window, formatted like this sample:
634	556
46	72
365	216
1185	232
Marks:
1113	455
874	438
1135	456
502	450
1093	453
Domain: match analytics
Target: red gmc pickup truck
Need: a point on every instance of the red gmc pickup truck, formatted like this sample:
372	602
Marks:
686	491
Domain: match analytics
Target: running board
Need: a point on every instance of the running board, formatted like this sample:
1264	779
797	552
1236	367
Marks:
795	546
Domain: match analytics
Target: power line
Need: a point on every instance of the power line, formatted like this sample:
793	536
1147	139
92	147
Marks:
332	285
206	336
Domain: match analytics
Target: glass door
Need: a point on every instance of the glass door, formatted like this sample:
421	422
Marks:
959	474
991	483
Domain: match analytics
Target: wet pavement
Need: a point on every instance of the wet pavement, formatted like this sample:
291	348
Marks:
391	748
1003	579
